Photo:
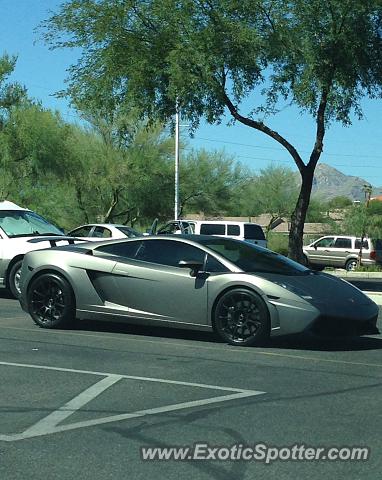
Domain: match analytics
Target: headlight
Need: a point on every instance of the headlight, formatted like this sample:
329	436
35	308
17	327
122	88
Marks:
296	290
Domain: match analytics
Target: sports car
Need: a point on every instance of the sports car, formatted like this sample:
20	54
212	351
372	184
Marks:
245	293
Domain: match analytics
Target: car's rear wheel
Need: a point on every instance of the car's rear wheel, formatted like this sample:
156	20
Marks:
14	278
351	265
242	318
51	301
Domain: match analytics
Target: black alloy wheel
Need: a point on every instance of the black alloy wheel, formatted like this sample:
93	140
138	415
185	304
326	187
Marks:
51	301
242	318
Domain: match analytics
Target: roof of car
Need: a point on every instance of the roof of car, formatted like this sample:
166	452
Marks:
7	205
103	225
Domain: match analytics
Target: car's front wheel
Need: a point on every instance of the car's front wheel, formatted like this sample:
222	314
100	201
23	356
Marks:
14	278
241	318
51	301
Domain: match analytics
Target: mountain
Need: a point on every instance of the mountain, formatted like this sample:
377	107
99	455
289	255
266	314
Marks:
329	182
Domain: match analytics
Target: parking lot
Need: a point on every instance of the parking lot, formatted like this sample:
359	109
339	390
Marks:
81	403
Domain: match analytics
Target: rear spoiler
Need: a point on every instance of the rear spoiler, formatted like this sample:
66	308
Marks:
54	239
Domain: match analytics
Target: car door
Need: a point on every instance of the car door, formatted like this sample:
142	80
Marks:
320	253
152	285
340	251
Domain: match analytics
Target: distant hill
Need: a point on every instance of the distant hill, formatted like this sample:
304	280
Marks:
329	182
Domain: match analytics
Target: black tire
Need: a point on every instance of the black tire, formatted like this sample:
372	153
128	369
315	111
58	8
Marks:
51	301
241	318
14	278
351	265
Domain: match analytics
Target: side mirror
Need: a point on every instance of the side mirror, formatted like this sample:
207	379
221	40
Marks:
194	265
315	246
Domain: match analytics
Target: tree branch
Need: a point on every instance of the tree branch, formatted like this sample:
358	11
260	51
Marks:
263	128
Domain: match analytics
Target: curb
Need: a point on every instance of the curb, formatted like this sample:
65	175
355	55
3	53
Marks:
357	275
375	296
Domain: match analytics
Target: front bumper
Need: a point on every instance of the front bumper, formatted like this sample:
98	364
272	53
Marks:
333	326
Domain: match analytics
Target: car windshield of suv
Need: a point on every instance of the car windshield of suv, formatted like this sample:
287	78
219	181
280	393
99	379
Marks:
23	223
251	258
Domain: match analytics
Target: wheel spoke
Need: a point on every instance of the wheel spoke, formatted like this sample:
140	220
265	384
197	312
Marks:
48	301
240	316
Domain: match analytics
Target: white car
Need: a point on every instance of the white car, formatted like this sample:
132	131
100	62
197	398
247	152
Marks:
102	231
20	232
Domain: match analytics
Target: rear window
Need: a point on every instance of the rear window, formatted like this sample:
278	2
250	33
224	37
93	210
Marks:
129	232
343	243
253	232
212	229
365	244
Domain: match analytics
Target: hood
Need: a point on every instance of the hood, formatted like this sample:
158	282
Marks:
321	288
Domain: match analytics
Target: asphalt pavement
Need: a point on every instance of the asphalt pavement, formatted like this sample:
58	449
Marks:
81	403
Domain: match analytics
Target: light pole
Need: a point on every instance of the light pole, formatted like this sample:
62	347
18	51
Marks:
176	208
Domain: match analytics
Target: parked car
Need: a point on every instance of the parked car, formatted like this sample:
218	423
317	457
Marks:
342	251
247	231
97	231
18	228
243	292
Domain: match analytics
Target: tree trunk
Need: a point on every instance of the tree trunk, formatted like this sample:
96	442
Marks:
299	215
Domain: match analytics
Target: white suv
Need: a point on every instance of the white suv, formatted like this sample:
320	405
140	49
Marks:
19	227
247	231
342	251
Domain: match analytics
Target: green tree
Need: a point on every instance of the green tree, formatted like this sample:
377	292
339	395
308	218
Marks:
117	181
11	93
339	202
322	57
33	143
361	220
274	191
210	183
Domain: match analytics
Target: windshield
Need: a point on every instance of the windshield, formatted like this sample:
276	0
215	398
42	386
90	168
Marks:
251	258
19	223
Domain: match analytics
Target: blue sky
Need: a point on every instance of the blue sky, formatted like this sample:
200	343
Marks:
356	150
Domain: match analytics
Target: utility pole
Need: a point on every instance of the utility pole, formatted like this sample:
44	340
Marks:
367	190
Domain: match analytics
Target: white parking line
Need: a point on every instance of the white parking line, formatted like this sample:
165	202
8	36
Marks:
50	423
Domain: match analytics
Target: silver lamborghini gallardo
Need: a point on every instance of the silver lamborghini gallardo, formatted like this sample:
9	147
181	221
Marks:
243	292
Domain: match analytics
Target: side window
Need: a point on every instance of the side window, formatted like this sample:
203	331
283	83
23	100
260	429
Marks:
253	232
101	232
365	244
342	243
233	230
214	266
212	229
168	252
81	232
122	249
325	242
